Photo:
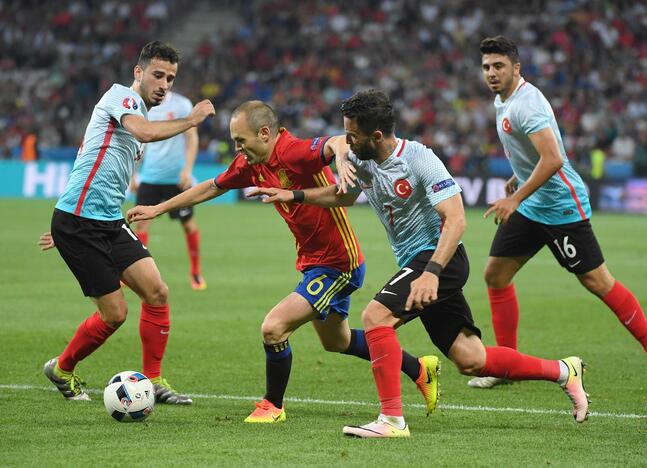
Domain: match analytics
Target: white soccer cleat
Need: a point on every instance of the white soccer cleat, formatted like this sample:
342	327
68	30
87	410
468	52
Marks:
377	429
574	388
487	382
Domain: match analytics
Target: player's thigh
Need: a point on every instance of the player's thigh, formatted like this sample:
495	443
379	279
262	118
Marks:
499	271
377	314
334	332
599	280
112	307
85	246
328	290
144	278
286	316
445	320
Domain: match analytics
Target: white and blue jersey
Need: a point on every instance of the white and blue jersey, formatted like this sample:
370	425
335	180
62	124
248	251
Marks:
106	159
163	160
563	198
403	191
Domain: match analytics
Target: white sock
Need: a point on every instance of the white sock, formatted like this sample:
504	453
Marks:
396	421
564	372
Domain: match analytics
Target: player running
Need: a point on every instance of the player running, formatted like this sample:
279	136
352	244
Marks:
328	254
413	195
94	239
547	204
166	171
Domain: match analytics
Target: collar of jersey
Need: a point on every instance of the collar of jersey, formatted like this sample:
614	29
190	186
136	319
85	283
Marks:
392	156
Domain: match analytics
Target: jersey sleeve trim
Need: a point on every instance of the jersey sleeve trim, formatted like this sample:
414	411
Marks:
322	152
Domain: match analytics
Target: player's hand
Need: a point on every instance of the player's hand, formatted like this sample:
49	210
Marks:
424	291
185	180
201	111
46	241
502	209
140	213
511	185
273	194
347	177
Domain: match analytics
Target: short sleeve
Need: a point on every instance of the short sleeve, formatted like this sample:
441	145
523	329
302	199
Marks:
237	175
434	176
187	107
120	101
532	113
306	156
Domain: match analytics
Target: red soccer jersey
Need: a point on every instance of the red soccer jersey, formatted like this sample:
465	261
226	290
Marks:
323	235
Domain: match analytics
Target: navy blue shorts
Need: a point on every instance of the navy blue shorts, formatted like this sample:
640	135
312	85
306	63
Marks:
328	290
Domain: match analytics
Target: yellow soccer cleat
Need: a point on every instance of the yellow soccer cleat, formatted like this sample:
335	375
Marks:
427	382
377	429
198	283
68	383
574	388
266	413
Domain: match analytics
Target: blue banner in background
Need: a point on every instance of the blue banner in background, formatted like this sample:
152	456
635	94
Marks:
48	179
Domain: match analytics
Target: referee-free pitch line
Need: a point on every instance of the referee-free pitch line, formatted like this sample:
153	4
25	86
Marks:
450	407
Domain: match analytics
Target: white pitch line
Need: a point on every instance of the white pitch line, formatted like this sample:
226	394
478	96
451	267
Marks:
489	409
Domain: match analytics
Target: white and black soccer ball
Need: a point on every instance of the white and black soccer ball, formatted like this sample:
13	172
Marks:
129	396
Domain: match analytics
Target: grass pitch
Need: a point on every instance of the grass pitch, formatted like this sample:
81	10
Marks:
215	354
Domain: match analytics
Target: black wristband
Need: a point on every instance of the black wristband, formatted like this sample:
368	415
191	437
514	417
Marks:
434	267
299	196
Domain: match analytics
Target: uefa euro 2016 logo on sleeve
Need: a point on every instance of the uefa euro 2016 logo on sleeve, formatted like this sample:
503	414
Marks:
129	103
442	185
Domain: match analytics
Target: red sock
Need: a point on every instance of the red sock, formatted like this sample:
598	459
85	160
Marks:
154	327
91	334
626	307
386	360
193	245
143	237
505	315
508	363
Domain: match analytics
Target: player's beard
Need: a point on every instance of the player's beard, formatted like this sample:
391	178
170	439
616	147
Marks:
366	151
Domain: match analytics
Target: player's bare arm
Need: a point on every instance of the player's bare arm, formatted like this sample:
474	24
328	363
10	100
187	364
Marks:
202	192
325	197
46	241
424	290
191	153
550	161
338	147
146	131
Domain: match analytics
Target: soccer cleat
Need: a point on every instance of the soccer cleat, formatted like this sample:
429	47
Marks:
69	384
574	388
266	412
427	382
377	429
198	283
166	394
487	382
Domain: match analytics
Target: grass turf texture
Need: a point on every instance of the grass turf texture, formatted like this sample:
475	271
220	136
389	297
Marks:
215	353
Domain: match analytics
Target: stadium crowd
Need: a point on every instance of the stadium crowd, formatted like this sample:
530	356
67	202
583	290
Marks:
588	57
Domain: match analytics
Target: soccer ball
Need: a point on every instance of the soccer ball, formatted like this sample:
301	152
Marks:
129	396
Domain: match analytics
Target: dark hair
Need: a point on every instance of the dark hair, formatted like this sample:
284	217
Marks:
158	50
372	111
258	114
500	45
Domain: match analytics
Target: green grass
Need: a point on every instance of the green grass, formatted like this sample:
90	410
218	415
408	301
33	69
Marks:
215	352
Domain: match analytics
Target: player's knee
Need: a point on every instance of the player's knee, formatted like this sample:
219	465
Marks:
334	346
115	317
273	332
158	295
493	278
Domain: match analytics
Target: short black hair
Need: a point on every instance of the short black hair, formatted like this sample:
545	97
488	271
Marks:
158	50
500	45
258	114
372	110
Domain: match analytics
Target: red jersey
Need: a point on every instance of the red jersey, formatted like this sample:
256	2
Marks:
323	235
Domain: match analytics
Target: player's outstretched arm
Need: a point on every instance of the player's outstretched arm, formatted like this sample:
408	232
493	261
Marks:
202	192
326	197
46	241
147	131
424	290
338	147
191	152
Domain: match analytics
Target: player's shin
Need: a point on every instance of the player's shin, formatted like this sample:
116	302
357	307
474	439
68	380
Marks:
278	364
154	329
628	310
91	334
386	360
505	315
507	363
